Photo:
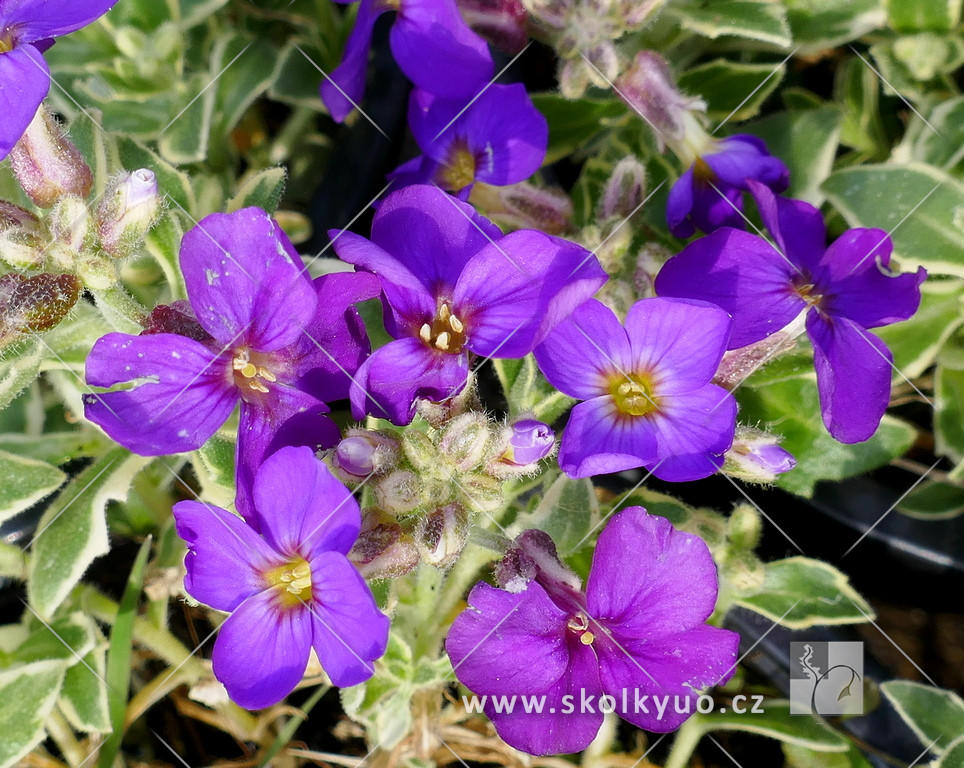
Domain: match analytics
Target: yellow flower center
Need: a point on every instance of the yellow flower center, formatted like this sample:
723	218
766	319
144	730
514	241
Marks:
806	293
458	170
446	332
580	625
633	394
702	171
292	581
5	44
250	371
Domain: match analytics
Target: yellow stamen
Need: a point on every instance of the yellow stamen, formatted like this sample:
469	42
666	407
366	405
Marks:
586	638
458	170
446	332
633	394
293	581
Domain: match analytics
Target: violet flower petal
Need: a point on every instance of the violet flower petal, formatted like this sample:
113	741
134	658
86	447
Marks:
741	273
25	80
317	513
437	51
635	582
246	282
348	630
35	20
347	80
693	430
186	396
225	557
743	159
541	280
506	643
681	341
598	441
261	651
679	203
853	376
401	371
584	351
797	227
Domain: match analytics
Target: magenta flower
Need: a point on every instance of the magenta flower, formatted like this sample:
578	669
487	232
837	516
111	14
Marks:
649	400
263	334
709	194
637	635
289	589
27	29
500	138
454	285
432	45
843	289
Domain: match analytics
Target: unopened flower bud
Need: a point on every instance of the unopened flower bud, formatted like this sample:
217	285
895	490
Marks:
382	549
363	452
441	535
603	64
419	450
635	13
21	249
32	304
481	492
398	492
756	457
14	217
573	78
524	206
501	22
465	440
70	222
625	189
738	365
530	441
129	209
745	573
744	527
177	317
97	272
649	261
648	88
533	557
47	165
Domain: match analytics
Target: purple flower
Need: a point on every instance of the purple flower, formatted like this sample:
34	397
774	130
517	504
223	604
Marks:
709	194
500	138
431	43
453	284
649	400
843	289
27	29
263	333
289	589
530	441
637	634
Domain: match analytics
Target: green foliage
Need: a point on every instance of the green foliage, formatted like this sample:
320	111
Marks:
935	715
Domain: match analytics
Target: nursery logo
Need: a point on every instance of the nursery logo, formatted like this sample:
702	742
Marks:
826	678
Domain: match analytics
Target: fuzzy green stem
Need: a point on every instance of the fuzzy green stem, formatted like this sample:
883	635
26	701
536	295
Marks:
13	562
687	737
119	308
63	735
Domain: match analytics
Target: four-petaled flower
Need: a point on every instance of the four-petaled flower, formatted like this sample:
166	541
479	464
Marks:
637	634
27	29
500	138
843	289
649	400
269	337
289	589
432	45
453	284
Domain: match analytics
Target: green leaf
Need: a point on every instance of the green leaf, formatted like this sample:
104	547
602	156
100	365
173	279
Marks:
732	89
27	696
821	24
805	593
247	68
84	695
802	757
163	243
807	142
23	482
119	656
214	465
573	122
933	500
72	531
927	204
185	139
857	91
949	412
758	20
777	723
942	142
527	391
568	512
295	79
791	408
953	756
19	370
934	714
916	342
923	15
262	189
170	180
54	447
65	639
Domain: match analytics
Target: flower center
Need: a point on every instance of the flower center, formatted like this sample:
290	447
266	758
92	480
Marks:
292	581
580	625
702	171
446	332
249	373
458	170
806	292
633	394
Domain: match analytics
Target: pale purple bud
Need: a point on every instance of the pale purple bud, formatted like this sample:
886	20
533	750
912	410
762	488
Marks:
47	165
382	549
757	457
355	456
129	209
525	206
625	189
530	441
363	452
465	440
533	557
649	89
501	22
442	534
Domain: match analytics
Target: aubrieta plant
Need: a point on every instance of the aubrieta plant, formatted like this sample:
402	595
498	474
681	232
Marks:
446	452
